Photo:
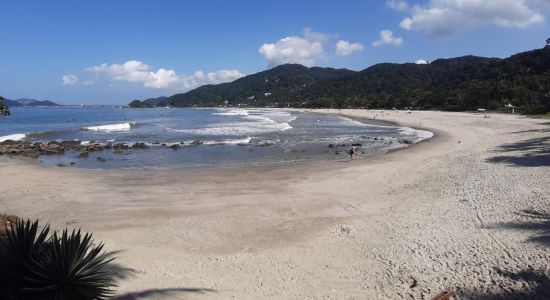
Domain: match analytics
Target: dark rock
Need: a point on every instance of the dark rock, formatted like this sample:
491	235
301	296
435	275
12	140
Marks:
70	144
101	159
331	146
197	142
140	146
357	145
174	146
60	165
120	146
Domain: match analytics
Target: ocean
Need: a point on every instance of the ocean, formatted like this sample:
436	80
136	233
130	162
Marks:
209	137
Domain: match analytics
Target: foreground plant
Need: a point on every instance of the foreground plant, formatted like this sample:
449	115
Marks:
58	267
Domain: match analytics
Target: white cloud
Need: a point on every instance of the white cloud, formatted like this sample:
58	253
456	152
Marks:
421	62
223	76
344	48
69	79
306	49
387	38
137	72
398	5
444	17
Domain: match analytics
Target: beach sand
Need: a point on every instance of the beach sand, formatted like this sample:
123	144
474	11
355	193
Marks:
468	211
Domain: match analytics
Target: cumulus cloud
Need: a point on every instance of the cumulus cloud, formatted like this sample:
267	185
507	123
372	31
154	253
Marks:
398	5
136	71
387	38
69	79
344	48
421	62
444	17
306	49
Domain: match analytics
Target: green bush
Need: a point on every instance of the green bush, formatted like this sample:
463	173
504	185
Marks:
66	266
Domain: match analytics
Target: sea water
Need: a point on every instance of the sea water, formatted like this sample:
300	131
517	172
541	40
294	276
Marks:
223	137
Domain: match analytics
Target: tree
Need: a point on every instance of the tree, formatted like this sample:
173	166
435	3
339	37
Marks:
4	110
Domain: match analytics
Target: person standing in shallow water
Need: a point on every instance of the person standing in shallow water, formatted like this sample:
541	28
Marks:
352	153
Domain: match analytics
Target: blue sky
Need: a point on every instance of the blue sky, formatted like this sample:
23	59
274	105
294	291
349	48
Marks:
110	52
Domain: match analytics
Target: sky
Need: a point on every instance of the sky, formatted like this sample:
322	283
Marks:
111	52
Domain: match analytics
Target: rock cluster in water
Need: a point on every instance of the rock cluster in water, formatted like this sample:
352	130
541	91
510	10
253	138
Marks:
35	149
10	147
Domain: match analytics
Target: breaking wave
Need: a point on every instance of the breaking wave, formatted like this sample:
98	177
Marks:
13	137
112	127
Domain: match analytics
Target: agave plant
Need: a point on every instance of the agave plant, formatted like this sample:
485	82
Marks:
22	244
59	267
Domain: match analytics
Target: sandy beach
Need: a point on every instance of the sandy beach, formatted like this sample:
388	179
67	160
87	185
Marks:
467	211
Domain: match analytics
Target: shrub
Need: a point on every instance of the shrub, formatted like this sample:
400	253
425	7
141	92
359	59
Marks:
35	265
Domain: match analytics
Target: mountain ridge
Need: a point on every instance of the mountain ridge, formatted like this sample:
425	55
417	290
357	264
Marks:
28	102
461	83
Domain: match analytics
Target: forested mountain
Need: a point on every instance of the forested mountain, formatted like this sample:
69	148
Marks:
462	83
28	102
261	89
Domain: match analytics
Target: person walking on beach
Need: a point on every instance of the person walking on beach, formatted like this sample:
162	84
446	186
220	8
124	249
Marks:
352	153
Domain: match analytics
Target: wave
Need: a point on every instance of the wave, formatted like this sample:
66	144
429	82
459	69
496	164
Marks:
418	134
232	112
253	122
112	127
236	128
246	140
13	137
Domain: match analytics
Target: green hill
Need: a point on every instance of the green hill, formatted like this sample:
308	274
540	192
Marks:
268	88
462	83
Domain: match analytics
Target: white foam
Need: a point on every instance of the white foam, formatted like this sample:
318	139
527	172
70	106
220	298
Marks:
253	122
112	127
13	137
237	128
232	112
418	134
229	142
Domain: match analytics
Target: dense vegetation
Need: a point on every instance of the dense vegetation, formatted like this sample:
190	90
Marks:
4	110
139	104
462	83
36	265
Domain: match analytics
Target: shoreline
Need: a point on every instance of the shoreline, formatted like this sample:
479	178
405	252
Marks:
99	147
440	212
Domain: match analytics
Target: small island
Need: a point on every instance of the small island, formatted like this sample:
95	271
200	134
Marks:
139	104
